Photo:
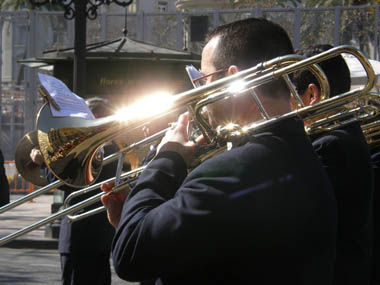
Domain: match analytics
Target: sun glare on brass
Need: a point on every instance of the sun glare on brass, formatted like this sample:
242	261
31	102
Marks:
69	144
237	86
148	106
230	126
245	129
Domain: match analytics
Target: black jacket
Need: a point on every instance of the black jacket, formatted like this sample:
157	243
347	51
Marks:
376	215
345	155
261	213
4	186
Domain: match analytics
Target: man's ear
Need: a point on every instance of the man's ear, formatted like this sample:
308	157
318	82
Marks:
314	93
232	69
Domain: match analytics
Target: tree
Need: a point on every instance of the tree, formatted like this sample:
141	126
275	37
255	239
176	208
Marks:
14	5
356	26
300	3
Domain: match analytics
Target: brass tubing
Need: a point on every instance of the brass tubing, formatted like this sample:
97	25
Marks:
30	196
97	132
78	206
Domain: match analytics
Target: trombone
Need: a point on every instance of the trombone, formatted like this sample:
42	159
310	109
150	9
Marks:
66	143
346	116
371	129
81	205
371	132
370	122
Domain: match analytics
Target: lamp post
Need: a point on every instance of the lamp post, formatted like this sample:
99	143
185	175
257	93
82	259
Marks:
80	10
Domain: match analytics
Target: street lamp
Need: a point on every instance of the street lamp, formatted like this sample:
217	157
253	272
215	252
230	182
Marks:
79	10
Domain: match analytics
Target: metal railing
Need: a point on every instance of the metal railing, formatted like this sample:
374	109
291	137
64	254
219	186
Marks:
17	184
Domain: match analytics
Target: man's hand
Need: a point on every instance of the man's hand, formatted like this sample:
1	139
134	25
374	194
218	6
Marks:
113	202
177	139
36	156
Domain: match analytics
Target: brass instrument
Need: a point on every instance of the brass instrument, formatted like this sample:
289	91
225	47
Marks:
371	132
68	143
370	122
346	115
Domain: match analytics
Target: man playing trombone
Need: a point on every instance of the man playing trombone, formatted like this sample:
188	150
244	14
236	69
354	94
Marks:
345	155
4	185
261	213
84	246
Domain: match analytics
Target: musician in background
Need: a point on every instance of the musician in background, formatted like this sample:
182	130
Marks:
375	278
85	245
345	156
256	214
4	185
375	157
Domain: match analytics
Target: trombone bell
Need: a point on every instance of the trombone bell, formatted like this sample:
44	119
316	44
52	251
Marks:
70	147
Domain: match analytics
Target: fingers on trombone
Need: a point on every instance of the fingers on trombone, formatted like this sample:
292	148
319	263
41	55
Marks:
121	193
182	122
183	119
108	199
106	187
200	140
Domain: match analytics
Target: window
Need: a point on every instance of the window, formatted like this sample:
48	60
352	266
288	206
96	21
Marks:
162	6
132	8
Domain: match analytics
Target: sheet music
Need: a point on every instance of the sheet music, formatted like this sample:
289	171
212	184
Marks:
70	104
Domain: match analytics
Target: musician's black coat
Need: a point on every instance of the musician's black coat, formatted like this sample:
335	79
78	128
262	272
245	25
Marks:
345	155
4	186
93	234
261	213
376	215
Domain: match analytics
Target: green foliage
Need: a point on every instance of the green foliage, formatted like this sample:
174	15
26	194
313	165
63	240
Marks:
317	27
300	3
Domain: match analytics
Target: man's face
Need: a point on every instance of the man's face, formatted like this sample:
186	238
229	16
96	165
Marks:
236	109
207	66
217	111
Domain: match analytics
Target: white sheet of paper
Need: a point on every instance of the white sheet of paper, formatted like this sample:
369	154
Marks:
70	104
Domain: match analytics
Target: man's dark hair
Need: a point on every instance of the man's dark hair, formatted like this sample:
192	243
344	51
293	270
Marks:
336	70
245	43
248	42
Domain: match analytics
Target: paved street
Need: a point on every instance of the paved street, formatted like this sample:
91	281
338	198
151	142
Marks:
25	215
34	266
32	258
29	266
